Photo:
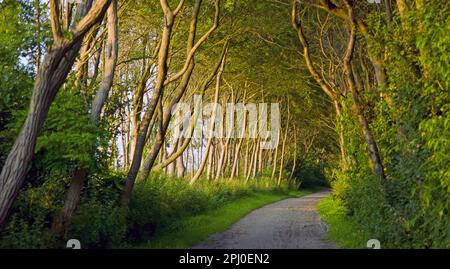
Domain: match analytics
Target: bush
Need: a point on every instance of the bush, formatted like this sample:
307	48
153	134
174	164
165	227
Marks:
32	214
410	209
99	225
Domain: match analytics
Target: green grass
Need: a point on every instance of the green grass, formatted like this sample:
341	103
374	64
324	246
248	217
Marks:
187	232
342	230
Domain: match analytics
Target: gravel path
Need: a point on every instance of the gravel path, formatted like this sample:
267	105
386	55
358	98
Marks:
289	224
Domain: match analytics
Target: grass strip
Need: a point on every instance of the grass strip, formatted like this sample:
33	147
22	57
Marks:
187	232
342	230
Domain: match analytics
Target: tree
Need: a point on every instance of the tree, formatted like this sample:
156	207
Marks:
57	64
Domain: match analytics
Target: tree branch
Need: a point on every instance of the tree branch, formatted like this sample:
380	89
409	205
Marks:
197	45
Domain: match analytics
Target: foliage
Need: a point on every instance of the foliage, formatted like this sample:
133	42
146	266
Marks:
185	233
32	213
15	78
411	208
341	228
409	117
311	172
66	143
160	202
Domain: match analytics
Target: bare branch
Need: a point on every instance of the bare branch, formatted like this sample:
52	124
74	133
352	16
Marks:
55	23
197	45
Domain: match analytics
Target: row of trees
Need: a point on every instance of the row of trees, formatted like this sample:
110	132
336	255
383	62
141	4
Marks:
127	64
381	66
362	88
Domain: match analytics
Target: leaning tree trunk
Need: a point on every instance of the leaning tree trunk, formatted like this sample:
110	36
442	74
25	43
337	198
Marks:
357	106
151	157
192	47
213	116
57	64
148	116
52	74
357	103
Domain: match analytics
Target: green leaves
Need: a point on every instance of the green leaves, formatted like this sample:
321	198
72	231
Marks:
68	140
411	208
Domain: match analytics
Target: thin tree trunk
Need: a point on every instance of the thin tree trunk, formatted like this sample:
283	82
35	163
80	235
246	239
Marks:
213	116
250	165
191	49
256	158
157	96
283	152
294	164
234	167
374	154
275	156
180	167
210	168
247	149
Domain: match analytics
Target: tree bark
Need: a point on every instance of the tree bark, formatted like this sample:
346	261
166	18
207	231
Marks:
57	64
169	17
213	116
112	51
63	219
357	107
275	156
150	159
283	152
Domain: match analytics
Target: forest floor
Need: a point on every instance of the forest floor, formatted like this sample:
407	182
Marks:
293	223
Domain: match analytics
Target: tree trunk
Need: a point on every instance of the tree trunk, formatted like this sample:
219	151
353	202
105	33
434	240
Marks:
57	64
180	167
191	49
148	116
62	221
77	181
283	152
294	164
112	51
149	160
374	154
213	116
250	164
275	156
210	167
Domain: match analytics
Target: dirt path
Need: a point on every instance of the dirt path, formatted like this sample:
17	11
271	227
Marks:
289	224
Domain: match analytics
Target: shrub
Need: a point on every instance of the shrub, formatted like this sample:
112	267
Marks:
99	225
